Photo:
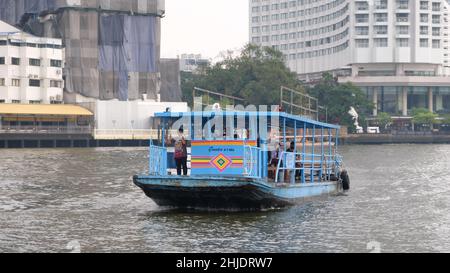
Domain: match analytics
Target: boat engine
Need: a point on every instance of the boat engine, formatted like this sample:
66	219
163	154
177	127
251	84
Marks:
345	178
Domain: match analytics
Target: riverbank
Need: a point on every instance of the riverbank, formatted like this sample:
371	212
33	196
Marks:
67	141
372	139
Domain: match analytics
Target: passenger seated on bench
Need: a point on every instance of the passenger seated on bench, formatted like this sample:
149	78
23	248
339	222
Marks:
273	161
297	163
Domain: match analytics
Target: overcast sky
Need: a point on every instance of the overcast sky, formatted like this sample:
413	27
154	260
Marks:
207	27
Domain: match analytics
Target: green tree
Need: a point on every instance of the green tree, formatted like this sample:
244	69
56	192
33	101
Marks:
384	120
424	117
339	98
256	76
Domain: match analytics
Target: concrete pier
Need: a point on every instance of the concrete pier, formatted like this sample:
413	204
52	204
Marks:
63	141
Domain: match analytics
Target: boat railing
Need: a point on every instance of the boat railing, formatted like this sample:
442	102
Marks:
252	162
320	166
157	160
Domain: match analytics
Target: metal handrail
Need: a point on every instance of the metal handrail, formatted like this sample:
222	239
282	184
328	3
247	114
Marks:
252	162
328	164
157	160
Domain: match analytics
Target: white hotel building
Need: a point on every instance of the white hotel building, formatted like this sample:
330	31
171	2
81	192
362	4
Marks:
30	68
395	50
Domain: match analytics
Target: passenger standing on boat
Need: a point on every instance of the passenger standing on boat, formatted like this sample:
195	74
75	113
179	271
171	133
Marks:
181	152
294	175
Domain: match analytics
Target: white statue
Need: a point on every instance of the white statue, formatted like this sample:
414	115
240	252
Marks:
355	116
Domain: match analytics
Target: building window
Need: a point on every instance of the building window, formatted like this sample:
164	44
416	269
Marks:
402	17
35	62
2	101
423	30
381	42
362	30
402	30
15	101
436	31
424	18
436	19
436	6
58	63
15	61
436	43
381	17
424	43
424	5
2	82
56	84
362	43
381	30
2	60
362	6
403	42
35	83
15	82
380	4
35	102
362	18
402	4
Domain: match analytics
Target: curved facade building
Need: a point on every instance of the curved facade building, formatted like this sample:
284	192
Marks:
395	50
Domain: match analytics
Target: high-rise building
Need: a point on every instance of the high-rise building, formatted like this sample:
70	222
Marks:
30	68
395	50
191	62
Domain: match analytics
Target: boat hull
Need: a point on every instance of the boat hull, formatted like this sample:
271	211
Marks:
230	194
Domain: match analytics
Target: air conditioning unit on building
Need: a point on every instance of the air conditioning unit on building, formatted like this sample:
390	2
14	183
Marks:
58	72
36	76
58	98
52	98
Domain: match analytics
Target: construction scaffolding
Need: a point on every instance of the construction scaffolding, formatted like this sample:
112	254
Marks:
112	47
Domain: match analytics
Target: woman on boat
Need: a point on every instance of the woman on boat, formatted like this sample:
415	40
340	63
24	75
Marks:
180	153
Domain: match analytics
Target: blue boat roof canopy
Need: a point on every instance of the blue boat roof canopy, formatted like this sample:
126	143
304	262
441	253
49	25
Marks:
291	120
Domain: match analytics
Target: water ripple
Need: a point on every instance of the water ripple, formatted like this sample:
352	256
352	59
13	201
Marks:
48	198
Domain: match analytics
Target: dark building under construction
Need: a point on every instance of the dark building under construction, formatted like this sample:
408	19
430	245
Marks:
112	47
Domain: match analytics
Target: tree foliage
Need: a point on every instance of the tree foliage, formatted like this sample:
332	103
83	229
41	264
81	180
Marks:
384	120
339	98
256	76
424	116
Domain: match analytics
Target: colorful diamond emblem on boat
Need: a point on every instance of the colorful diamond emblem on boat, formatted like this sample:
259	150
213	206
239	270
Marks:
221	162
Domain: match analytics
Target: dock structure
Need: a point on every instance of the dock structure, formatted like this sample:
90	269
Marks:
55	126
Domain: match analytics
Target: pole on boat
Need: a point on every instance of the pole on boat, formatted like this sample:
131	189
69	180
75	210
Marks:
330	141
322	153
313	153
163	133
304	153
283	159
294	172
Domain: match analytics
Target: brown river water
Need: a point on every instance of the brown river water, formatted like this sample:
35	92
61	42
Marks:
60	200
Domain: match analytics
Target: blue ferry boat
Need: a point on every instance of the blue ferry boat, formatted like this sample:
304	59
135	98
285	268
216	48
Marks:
250	167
